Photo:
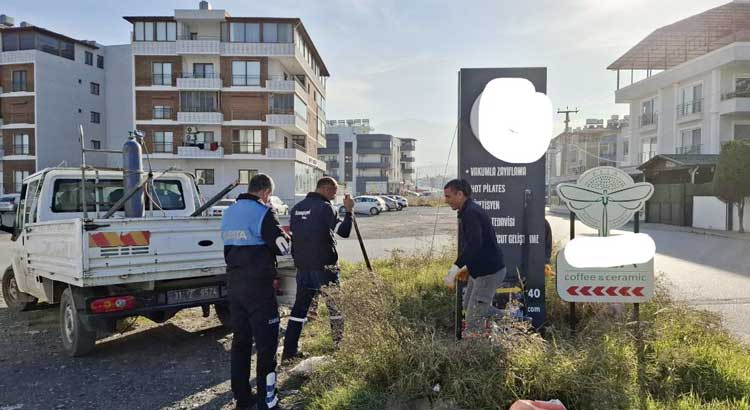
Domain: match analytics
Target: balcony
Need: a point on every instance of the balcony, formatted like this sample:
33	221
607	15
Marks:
18	118
369	165
200	117
161	80
408	146
154	47
257	49
279	84
689	110
242	115
20	149
406	158
213	151
332	164
20	86
407	171
199	81
691	149
735	102
198	45
648	120
292	123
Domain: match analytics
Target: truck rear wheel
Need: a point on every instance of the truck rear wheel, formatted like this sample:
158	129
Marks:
77	339
224	315
14	298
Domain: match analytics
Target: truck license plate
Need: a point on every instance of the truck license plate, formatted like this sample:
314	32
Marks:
191	295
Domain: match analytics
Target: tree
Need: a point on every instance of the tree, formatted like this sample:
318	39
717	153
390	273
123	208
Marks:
732	177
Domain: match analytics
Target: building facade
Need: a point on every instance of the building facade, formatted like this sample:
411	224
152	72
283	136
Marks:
226	97
689	93
50	85
367	162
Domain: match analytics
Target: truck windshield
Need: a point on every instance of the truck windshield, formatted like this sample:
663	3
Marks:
166	194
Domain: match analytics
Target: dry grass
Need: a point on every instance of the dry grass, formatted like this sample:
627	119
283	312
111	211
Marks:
398	347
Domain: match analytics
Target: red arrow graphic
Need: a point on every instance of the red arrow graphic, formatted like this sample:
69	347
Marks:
638	291
624	291
598	291
612	291
572	290
585	291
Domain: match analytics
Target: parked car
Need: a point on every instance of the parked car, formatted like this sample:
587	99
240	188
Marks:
219	207
367	204
400	199
279	205
391	203
9	202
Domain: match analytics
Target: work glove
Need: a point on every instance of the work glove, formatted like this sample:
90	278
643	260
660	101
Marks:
450	278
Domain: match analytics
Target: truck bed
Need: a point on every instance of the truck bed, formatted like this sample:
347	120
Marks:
125	251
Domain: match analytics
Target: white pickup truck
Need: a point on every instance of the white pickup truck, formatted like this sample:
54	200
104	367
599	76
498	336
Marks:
101	270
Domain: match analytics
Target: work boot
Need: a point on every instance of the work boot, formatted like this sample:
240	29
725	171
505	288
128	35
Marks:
288	358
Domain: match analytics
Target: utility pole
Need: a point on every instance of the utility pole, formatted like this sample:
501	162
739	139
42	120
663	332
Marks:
567	111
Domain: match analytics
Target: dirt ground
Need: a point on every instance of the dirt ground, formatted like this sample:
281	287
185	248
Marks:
181	364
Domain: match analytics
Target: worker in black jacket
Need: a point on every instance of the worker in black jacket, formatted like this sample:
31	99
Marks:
313	224
252	239
478	252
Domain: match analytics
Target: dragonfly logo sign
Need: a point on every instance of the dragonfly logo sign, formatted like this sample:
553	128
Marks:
605	198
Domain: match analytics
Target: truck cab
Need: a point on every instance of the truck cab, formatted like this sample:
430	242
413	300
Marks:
102	269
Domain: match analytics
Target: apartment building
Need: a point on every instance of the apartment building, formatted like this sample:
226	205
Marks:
689	92
227	97
408	172
367	162
50	84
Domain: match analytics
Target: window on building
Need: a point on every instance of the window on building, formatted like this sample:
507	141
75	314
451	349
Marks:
21	144
19	81
246	175
742	85
163	141
18	177
203	70
742	131
690	140
626	147
96	118
691	100
202	139
162	73
88	58
648	112
244	32
162	112
204	176
100	61
648	149
245	73
96	144
247	141
300	108
281	103
42	42
199	101
95	88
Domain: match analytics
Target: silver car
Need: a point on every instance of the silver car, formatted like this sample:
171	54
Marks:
9	202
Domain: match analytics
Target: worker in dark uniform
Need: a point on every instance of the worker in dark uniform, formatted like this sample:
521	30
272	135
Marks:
478	252
313	223
252	239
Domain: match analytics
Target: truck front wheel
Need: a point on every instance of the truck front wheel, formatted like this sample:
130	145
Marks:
77	339
14	298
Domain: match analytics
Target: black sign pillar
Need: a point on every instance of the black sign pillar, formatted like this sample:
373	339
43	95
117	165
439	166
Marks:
512	194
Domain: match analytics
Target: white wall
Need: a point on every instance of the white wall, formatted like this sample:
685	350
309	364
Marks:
709	212
58	97
189	60
119	96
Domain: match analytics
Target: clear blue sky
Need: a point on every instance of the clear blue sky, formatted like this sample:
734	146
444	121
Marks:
395	61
